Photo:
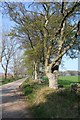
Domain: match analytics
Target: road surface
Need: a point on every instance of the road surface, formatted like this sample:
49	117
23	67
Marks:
13	101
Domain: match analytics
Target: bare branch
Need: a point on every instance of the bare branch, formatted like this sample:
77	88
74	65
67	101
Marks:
62	9
62	53
48	56
31	4
3	66
66	16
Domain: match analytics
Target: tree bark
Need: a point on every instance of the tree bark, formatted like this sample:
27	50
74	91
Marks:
5	75
53	79
6	71
52	74
35	71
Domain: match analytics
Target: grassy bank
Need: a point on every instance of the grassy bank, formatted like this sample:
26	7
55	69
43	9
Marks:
43	102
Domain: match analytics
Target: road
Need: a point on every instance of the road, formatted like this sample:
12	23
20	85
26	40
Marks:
13	101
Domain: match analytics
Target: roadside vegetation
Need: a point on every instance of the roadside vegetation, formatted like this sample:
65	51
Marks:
8	80
44	102
0	81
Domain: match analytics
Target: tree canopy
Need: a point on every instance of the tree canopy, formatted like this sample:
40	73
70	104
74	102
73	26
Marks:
47	31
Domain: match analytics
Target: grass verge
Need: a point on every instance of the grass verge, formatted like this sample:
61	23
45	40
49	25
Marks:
44	102
7	80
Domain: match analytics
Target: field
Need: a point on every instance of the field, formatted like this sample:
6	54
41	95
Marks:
44	102
67	80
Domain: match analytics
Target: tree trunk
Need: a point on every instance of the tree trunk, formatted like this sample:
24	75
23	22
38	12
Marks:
52	77
5	73
6	70
35	71
5	76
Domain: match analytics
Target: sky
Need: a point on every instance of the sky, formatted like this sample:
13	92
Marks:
39	0
67	63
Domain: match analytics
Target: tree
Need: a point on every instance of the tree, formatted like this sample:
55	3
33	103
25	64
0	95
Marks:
23	31
55	26
32	59
17	67
9	47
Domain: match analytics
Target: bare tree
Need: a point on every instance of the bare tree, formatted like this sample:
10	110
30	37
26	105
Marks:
18	68
9	47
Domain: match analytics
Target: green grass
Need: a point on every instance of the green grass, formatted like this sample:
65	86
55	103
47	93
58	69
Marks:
8	80
0	81
67	80
44	102
5	81
30	87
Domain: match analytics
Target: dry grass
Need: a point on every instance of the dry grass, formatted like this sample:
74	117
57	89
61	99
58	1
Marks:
44	102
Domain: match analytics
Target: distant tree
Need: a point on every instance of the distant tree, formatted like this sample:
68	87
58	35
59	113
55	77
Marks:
9	47
24	33
18	69
32	61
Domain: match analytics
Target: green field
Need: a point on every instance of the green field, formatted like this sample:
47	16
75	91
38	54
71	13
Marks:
44	102
67	80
